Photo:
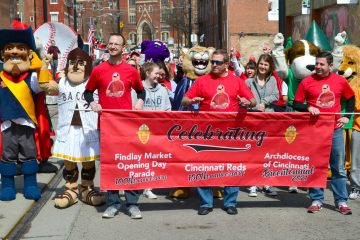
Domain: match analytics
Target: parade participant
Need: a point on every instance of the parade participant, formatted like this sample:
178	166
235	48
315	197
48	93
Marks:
114	79
218	91
77	139
322	92
157	98
165	79
195	63
55	52
19	84
264	87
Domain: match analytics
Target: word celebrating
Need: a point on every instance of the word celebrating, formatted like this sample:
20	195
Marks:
237	133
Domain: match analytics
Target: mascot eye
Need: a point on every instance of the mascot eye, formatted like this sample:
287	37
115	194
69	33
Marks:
351	63
81	63
192	53
71	62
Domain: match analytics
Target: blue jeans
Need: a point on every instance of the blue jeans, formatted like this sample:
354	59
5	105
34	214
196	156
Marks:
131	197
206	196
54	65
338	179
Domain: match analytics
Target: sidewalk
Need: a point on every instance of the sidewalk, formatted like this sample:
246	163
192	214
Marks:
12	212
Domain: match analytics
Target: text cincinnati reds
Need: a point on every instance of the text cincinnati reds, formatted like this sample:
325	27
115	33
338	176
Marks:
230	133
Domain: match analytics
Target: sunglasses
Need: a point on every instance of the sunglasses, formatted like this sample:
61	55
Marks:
217	62
133	65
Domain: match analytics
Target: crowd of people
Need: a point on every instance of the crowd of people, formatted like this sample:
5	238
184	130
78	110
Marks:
256	87
228	87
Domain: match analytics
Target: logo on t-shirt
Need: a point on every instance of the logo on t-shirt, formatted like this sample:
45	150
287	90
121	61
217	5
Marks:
221	99
116	86
326	98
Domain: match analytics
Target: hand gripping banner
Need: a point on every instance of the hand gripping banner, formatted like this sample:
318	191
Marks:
148	149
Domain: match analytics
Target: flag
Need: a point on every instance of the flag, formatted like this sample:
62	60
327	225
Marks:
91	35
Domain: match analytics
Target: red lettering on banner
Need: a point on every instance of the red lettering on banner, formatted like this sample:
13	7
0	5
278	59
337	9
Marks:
145	149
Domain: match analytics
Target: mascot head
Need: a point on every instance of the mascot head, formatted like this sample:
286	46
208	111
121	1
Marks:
301	57
155	51
350	65
16	47
196	61
78	66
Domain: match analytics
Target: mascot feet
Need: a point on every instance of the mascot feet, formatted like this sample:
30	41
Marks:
217	193
181	193
92	197
8	171
69	197
31	189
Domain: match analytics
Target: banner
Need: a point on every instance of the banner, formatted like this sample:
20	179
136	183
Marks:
148	149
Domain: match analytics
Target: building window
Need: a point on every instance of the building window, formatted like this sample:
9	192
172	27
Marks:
54	16
132	37
150	8
132	3
140	9
53	1
164	2
132	18
165	36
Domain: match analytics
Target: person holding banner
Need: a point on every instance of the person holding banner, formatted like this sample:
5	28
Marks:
114	79
322	92
220	92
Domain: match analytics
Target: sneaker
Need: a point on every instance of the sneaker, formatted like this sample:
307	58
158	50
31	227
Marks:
293	190
149	194
314	207
354	194
231	210
269	191
344	209
134	212
204	210
252	192
111	211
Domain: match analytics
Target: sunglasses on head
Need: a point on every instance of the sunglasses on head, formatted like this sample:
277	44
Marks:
217	62
133	65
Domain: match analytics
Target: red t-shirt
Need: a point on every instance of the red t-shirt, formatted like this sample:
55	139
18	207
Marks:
219	93
324	93
114	83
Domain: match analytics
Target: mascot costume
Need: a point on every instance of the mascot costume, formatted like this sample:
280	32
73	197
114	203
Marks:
196	62
349	69
19	85
154	51
77	134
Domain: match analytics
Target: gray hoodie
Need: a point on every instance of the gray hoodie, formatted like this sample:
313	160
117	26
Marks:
157	98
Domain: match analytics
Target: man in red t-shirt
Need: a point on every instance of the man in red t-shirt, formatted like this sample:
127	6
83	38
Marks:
114	80
322	92
221	92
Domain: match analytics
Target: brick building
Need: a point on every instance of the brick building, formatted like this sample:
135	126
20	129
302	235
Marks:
243	24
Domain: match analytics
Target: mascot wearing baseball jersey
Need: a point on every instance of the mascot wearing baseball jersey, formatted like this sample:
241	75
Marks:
77	134
18	88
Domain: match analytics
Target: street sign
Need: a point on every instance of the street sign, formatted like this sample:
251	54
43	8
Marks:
121	24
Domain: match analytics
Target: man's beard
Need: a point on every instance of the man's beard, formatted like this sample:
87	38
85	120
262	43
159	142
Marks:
15	71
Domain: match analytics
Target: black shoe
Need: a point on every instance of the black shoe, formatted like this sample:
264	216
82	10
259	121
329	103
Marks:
204	210
231	210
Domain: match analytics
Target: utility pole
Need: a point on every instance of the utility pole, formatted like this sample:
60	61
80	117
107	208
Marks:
190	27
118	18
35	25
282	16
45	11
75	15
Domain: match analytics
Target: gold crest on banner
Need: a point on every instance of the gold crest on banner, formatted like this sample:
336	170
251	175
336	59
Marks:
144	133
290	134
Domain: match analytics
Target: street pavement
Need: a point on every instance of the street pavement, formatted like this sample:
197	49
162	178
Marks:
281	217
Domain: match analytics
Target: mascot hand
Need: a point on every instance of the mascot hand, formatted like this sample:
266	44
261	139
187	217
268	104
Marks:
279	40
46	61
340	39
50	88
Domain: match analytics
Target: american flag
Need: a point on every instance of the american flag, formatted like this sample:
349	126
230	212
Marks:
91	35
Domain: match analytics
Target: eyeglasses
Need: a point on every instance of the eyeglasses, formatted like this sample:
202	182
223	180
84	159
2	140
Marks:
133	65
217	62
